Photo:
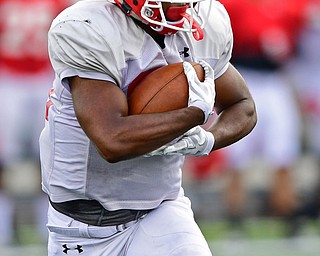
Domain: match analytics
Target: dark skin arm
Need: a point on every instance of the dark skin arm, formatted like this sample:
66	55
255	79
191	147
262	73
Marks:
102	111
235	108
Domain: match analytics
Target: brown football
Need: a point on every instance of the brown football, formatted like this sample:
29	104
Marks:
164	89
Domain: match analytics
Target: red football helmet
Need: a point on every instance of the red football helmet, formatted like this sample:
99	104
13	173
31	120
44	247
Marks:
181	16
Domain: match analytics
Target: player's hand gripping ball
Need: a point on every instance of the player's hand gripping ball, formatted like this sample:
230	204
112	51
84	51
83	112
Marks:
164	89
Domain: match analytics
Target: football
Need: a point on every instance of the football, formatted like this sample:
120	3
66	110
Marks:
162	90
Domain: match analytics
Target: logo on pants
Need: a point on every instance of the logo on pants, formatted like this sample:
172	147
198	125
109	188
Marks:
77	248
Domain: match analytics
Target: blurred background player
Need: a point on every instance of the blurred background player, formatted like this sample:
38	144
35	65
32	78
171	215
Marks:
25	76
304	73
265	38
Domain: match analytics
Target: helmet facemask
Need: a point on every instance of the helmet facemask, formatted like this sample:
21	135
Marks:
181	17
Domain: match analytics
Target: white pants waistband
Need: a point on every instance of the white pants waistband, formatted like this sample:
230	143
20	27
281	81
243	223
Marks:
84	230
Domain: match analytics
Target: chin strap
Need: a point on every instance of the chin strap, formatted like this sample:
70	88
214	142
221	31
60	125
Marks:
198	34
179	13
165	30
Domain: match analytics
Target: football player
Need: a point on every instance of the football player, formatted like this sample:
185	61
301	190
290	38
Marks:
25	75
113	180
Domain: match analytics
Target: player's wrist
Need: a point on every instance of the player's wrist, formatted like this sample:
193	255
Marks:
197	115
206	109
209	145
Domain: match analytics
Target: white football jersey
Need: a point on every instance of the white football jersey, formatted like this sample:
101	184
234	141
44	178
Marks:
94	39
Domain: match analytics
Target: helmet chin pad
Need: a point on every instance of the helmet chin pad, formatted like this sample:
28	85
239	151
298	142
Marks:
175	13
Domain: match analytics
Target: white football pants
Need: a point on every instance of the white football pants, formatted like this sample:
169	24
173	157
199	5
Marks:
169	230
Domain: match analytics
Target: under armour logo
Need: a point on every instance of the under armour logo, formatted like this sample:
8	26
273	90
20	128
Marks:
185	52
79	248
66	249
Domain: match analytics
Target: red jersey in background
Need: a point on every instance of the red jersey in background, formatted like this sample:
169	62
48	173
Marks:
24	25
265	29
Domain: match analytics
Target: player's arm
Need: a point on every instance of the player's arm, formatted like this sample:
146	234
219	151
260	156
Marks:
102	111
236	118
235	108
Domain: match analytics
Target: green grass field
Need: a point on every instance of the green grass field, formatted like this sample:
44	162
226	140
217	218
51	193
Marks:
255	229
262	237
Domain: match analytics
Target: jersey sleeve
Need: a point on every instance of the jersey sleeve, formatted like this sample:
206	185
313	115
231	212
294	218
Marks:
78	48
216	47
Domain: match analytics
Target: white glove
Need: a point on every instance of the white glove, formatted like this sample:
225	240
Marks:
201	94
196	142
